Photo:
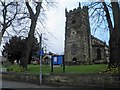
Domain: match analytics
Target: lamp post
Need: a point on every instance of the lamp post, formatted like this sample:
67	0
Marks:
40	52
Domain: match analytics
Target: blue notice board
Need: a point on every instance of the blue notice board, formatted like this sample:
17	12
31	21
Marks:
41	52
57	60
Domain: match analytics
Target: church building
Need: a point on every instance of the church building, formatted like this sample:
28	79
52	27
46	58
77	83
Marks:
80	46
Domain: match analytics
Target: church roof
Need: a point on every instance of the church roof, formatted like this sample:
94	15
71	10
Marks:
97	42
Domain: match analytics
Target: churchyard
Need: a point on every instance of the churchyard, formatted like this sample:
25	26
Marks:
35	69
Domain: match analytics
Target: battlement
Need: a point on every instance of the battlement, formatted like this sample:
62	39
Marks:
76	10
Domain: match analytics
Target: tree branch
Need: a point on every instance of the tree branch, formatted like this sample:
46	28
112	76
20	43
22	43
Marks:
108	18
29	9
38	7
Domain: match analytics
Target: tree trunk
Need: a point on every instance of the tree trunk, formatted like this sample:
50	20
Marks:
115	38
29	44
33	18
1	34
110	26
114	41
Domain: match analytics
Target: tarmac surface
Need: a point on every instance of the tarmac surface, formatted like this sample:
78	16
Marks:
15	85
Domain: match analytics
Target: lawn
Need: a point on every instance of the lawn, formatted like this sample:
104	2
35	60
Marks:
96	68
35	69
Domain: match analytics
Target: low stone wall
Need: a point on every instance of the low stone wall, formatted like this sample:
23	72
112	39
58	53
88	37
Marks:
74	80
79	80
20	77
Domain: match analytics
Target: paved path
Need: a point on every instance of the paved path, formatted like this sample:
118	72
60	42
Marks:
14	84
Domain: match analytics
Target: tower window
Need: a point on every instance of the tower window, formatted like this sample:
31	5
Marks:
73	21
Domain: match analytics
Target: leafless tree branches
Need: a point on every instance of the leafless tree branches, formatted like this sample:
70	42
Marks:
8	15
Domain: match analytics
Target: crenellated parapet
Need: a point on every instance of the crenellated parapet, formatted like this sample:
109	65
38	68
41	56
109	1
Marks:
76	10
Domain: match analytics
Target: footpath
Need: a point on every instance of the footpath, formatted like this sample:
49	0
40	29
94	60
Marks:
16	84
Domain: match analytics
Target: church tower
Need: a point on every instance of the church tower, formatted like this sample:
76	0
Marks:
77	36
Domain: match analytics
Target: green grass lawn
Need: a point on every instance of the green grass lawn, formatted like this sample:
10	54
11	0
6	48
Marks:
96	68
35	69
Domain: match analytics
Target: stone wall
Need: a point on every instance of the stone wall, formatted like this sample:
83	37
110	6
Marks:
20	77
70	80
83	80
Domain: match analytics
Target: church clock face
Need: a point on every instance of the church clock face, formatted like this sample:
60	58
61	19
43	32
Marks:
73	35
73	32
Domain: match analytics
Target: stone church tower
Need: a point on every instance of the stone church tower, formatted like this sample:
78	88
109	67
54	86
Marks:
78	48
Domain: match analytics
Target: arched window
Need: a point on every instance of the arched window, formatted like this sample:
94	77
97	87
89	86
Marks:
98	53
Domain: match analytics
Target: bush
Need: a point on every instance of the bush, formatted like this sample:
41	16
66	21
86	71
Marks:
15	68
113	70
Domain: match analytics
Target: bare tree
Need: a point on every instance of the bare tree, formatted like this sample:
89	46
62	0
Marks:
33	17
109	12
23	20
9	12
34	9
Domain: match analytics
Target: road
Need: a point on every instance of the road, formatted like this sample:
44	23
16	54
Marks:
15	85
